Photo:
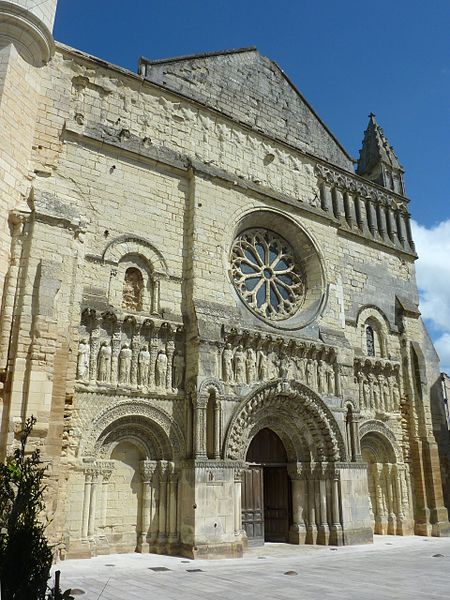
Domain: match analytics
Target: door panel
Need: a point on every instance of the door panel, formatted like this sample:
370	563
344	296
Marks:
253	505
276	504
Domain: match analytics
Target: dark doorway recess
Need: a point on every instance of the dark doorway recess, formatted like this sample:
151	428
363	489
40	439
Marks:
266	491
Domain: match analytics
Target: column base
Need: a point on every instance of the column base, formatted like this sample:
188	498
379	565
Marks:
297	534
441	529
336	538
311	534
323	535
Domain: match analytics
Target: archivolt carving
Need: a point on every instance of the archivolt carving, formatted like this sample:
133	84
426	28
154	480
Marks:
301	410
379	428
145	415
128	244
211	385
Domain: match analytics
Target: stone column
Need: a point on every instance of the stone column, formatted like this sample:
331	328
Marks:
86	504
325	197
339	204
200	403
95	345
380	515
148	468
372	217
217	436
392	225
116	344
135	348
350	213
409	233
162	534
391	516
356	443
396	475
297	532
361	215
311	526
336	538
93	504
106	471
173	504
401	229
323	530
381	217
155	296
154	507
238	502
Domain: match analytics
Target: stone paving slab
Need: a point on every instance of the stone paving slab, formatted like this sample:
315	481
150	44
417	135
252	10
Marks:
392	567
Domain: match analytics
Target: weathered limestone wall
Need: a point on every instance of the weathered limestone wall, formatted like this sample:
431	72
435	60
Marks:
128	174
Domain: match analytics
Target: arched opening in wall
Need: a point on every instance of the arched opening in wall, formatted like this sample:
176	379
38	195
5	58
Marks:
266	493
130	500
123	504
373	342
385	491
133	289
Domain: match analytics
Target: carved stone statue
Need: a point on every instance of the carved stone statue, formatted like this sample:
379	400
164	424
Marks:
395	396
301	369
386	395
178	370
331	379
84	353
322	377
375	392
161	369
250	366
227	364
144	365
125	356
284	367
263	366
104	362
366	394
273	365
239	365
310	380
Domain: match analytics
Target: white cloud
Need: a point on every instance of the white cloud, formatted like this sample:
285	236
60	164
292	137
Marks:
433	279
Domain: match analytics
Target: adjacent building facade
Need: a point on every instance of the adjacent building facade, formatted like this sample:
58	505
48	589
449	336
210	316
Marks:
212	316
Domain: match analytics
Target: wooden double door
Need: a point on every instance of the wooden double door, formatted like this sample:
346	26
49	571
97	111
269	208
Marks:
266	493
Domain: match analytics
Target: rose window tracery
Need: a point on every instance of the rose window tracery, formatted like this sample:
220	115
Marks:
266	274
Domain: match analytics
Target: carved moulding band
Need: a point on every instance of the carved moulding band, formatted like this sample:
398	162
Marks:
302	410
126	244
380	429
154	416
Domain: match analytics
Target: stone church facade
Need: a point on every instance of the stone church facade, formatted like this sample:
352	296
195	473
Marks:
213	318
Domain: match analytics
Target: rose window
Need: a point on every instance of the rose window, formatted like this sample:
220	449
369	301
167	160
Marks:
266	275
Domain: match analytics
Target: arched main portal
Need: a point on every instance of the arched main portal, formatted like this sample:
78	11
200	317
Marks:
286	426
266	494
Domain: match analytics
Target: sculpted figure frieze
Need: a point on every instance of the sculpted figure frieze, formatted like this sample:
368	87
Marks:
248	360
132	352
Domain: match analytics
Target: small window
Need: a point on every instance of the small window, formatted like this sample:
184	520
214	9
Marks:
370	341
133	287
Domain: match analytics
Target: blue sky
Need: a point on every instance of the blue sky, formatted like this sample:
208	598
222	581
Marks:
347	57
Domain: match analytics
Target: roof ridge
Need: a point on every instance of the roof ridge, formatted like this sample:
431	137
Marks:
199	55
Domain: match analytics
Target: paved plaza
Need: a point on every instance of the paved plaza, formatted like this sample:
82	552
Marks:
393	567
